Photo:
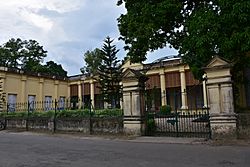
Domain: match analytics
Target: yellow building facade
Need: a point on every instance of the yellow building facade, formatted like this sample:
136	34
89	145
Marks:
170	82
20	87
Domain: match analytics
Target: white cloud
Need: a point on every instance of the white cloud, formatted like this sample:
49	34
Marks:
36	20
60	6
66	28
29	11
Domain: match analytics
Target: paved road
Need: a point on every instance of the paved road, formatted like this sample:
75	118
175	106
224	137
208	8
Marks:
32	150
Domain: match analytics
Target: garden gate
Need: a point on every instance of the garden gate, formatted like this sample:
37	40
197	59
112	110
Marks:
171	120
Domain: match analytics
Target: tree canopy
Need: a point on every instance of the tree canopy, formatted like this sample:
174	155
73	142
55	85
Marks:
198	29
28	56
93	60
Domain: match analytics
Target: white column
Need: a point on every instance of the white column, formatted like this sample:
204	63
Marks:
163	88
92	93
204	91
79	95
121	99
183	89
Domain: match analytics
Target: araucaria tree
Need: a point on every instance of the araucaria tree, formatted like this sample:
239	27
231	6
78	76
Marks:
198	29
110	74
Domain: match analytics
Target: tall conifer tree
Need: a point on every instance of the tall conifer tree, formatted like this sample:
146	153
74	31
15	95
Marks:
110	74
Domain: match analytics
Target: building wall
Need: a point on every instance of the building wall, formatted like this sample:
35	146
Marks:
22	85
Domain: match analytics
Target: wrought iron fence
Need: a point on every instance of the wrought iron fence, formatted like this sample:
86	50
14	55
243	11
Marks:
35	115
178	124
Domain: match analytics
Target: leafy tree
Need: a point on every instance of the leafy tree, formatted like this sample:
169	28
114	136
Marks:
93	60
33	54
53	68
199	29
11	53
28	55
21	54
110	74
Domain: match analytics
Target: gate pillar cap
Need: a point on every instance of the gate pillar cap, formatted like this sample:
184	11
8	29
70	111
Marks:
217	63
131	74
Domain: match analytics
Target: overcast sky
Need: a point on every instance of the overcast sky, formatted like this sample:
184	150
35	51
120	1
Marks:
65	28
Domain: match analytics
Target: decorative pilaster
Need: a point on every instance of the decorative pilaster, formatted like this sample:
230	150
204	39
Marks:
2	92
163	88
23	88
41	87
56	83
220	97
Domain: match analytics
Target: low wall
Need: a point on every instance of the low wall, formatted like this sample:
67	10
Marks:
243	125
93	125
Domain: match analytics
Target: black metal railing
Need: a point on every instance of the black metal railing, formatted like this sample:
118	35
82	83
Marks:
178	124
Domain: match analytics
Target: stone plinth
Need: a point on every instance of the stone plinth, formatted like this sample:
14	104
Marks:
220	99
223	126
133	102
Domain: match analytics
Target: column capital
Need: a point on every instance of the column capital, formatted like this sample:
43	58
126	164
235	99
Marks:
91	81
23	78
182	69
162	72
79	82
41	80
3	75
56	82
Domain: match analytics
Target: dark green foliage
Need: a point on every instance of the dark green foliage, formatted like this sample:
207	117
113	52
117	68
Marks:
93	60
198	29
151	127
28	55
72	113
11	53
166	109
53	69
109	112
32	55
110	74
66	113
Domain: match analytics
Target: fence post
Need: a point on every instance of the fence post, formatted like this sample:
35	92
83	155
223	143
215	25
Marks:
176	114
27	119
5	118
54	120
90	119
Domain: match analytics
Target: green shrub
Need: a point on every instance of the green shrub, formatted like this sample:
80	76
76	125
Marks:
151	126
72	113
65	113
166	109
108	112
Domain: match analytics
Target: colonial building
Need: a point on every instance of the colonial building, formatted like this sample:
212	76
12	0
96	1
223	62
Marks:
170	82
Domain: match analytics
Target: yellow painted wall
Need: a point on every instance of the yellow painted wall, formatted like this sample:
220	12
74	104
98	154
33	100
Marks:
63	89
32	86
12	85
49	88
24	85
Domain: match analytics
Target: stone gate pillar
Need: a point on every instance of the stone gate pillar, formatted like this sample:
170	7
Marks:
220	99
133	102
